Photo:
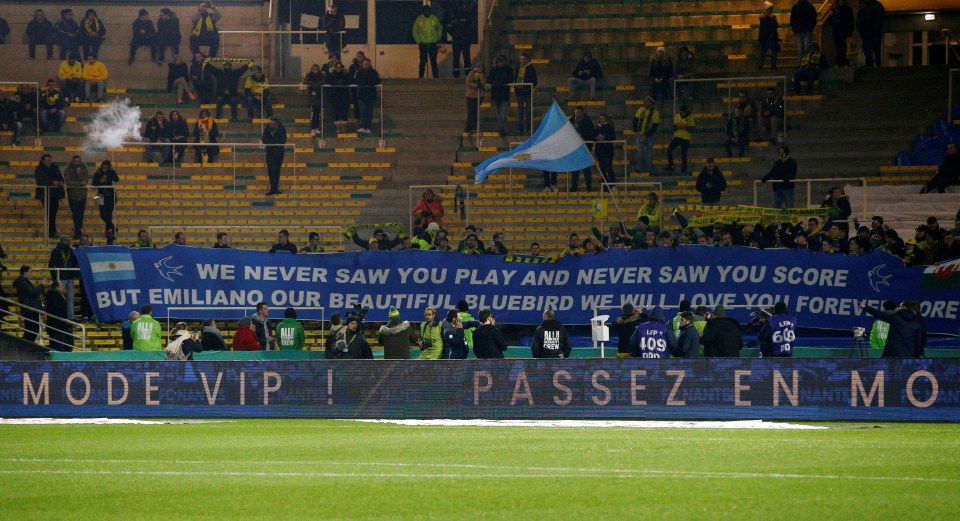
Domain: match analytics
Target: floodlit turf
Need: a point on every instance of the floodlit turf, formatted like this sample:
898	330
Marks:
312	469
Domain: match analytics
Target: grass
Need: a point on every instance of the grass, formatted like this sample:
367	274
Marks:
313	469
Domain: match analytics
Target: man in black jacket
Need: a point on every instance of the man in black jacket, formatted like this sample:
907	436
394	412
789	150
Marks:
550	339
721	337
64	258
905	337
227	79
526	73
49	190
274	134
488	342
842	23
29	295
59	332
784	171
623	327
585	128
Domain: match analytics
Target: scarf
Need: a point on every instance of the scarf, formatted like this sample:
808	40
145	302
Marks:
205	125
522	73
204	25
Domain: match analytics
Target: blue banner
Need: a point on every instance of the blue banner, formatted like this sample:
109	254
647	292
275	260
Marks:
875	390
822	290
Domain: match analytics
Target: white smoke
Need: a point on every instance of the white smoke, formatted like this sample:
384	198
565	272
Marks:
113	124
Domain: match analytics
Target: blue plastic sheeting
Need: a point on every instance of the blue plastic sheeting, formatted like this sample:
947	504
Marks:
929	150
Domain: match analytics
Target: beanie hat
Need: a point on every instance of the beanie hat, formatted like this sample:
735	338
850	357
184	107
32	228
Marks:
143	12
393	312
433	227
684	305
373	240
767	5
780	307
719	311
351	318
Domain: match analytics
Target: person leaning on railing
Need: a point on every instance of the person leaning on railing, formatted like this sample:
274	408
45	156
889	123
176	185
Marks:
28	294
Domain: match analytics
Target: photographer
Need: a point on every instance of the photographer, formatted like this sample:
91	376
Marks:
778	333
182	344
488	342
905	337
351	344
205	30
721	337
431	343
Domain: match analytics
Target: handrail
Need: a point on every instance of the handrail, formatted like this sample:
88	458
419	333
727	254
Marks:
533	100
824	10
42	326
567	180
809	182
323	106
730	81
496	14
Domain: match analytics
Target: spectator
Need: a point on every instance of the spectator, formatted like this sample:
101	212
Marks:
948	173
314	81
283	243
40	32
686	69
313	244
143	240
4	30
429	209
683	125
168	34
244	339
205	133
749	108
49	190
125	330
870	26
645	123
144	35
769	36
92	31
182	344
76	178
688	338
227	79
59	331
500	77
257	91
178	134
94	78
68	34
653	338
178	75
839	206
427	31
905	336
738	132
338	96
771	114
457	29
289	332
721	337
651	210
380	238
103	180
27	98
471	245
262	329
180	239
52	115
28	294
811	63
11	117
335	25
63	266
275	136
202	78
205	32
603	149
476	79
778	334
526	73
784	171
842	24
711	183
366	80
396	336
355	67
146	331
488	342
586	74
951	242
584	126
803	20
157	130
223	241
661	74
624	327
71	78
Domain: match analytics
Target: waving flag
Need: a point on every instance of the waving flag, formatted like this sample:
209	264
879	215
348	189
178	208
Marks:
555	147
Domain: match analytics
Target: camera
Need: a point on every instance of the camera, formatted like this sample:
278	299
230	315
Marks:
859	333
360	312
425	343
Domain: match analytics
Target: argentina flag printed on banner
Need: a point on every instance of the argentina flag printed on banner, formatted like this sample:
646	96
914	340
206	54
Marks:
555	147
112	266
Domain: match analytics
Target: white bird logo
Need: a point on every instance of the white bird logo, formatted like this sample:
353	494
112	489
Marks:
876	278
166	270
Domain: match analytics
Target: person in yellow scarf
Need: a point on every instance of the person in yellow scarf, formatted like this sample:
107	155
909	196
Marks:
205	30
206	132
91	33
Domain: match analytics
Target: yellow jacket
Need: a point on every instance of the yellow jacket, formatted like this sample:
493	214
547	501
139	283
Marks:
256	87
95	71
683	125
68	72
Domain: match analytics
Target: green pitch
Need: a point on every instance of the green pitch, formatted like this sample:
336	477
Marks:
311	469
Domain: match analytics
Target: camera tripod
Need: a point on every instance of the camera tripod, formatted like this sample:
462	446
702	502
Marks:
859	344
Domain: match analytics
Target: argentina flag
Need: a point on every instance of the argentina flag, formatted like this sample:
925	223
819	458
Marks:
111	266
555	147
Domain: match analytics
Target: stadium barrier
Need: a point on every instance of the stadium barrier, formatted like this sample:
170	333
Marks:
718	389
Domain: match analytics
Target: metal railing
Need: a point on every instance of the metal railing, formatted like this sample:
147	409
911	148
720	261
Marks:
495	18
43	327
215	229
533	97
809	186
733	84
621	143
623	191
461	194
38	140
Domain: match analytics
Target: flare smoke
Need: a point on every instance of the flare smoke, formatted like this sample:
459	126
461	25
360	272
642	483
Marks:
113	124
